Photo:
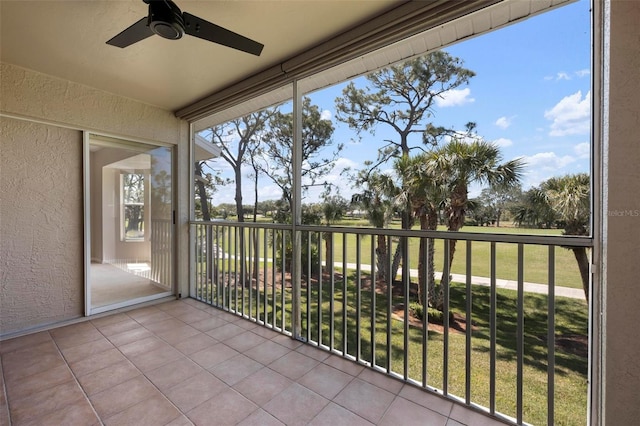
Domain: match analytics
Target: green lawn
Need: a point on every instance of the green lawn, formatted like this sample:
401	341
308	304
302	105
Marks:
570	365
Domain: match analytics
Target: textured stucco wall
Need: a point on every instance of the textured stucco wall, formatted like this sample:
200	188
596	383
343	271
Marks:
32	94
41	247
622	214
42	267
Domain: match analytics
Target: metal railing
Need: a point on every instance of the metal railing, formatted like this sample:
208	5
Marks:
352	303
161	252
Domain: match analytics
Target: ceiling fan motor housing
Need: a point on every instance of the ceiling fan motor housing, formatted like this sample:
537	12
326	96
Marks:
165	19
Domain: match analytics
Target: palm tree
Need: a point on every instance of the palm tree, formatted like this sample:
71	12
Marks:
569	197
333	208
459	164
377	201
426	195
534	210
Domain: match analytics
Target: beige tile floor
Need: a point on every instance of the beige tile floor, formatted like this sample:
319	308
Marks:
183	362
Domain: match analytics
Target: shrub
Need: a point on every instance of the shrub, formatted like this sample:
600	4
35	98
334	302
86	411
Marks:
434	316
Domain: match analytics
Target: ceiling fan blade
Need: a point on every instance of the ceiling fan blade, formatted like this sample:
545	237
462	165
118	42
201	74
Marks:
205	30
136	32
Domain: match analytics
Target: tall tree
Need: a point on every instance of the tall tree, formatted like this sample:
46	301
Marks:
278	142
533	210
402	98
206	183
427	194
495	201
237	138
377	198
333	209
570	196
460	163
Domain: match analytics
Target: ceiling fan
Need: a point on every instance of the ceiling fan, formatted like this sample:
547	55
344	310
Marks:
166	20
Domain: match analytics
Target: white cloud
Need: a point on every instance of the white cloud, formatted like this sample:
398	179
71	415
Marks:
562	75
548	160
582	150
462	136
503	142
455	97
325	115
570	116
543	165
583	72
503	122
335	177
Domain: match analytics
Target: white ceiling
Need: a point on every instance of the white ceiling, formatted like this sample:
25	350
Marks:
66	39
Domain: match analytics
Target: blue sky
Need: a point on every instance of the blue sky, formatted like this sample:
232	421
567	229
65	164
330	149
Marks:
530	95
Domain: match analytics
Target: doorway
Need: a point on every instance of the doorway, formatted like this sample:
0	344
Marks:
128	223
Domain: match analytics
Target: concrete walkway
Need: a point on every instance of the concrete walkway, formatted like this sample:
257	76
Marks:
573	293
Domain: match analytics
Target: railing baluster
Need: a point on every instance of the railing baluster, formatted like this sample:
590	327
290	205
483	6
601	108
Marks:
273	277
199	256
358	298
332	299
226	289
209	257
248	261
445	317
345	299
309	292
205	266
551	336
492	333
214	270
520	336
256	270
389	280
283	276
210	265
265	274
216	265
372	279
425	310
319	288
467	385
406	278
198	267
237	260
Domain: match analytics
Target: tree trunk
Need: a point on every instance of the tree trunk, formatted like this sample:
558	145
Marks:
582	258
404	241
202	194
425	281
328	248
381	258
206	216
256	242
455	217
238	197
395	264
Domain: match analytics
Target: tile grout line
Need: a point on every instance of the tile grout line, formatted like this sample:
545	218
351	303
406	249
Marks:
4	389
140	371
75	379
